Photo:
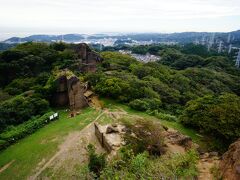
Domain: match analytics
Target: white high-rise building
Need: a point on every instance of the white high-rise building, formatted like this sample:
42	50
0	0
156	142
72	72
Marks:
211	41
203	40
238	59
230	49
220	47
229	38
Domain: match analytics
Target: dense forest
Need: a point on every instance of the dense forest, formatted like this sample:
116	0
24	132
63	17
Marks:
198	88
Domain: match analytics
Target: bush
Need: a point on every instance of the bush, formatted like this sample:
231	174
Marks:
163	116
96	162
141	166
4	96
139	104
216	115
147	137
18	86
145	104
127	166
177	166
21	108
14	133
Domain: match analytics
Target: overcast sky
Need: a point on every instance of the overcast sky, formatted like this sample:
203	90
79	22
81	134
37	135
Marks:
25	17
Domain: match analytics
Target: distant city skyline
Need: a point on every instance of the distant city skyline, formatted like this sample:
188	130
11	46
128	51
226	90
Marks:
28	17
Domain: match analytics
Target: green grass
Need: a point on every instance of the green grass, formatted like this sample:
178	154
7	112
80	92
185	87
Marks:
205	143
104	119
171	124
43	144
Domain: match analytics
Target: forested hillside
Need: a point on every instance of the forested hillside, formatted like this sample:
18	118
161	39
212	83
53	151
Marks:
200	88
189	84
189	89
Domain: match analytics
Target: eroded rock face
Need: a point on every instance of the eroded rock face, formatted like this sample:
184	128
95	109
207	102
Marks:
230	164
70	92
60	98
88	58
76	91
109	136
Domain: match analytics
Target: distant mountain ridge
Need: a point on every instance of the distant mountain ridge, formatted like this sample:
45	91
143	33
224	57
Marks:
46	38
182	37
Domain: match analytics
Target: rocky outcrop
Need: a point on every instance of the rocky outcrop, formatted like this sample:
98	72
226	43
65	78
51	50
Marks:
88	59
110	136
175	137
76	96
70	92
230	163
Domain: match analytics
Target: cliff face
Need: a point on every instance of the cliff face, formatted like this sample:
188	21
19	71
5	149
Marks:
76	91
70	92
230	164
88	59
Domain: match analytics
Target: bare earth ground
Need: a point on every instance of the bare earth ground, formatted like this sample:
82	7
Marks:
204	167
71	155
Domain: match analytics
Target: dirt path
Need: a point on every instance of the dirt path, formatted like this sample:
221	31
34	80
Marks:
6	166
72	153
204	167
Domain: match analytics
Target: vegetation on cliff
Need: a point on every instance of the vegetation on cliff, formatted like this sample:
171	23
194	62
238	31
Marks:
181	83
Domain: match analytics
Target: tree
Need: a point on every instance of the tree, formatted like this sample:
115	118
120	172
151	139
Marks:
216	115
21	108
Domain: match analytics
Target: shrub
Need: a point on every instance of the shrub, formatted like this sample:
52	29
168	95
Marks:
14	133
4	96
96	162
141	166
216	115
139	104
176	166
163	116
21	108
145	104
147	137
127	166
139	163
18	86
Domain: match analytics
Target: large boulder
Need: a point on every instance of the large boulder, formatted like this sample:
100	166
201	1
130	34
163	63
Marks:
230	163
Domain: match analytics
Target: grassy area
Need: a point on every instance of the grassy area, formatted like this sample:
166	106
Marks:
104	119
43	144
110	104
30	151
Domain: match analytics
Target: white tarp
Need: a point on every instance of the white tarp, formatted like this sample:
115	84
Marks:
51	117
55	115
